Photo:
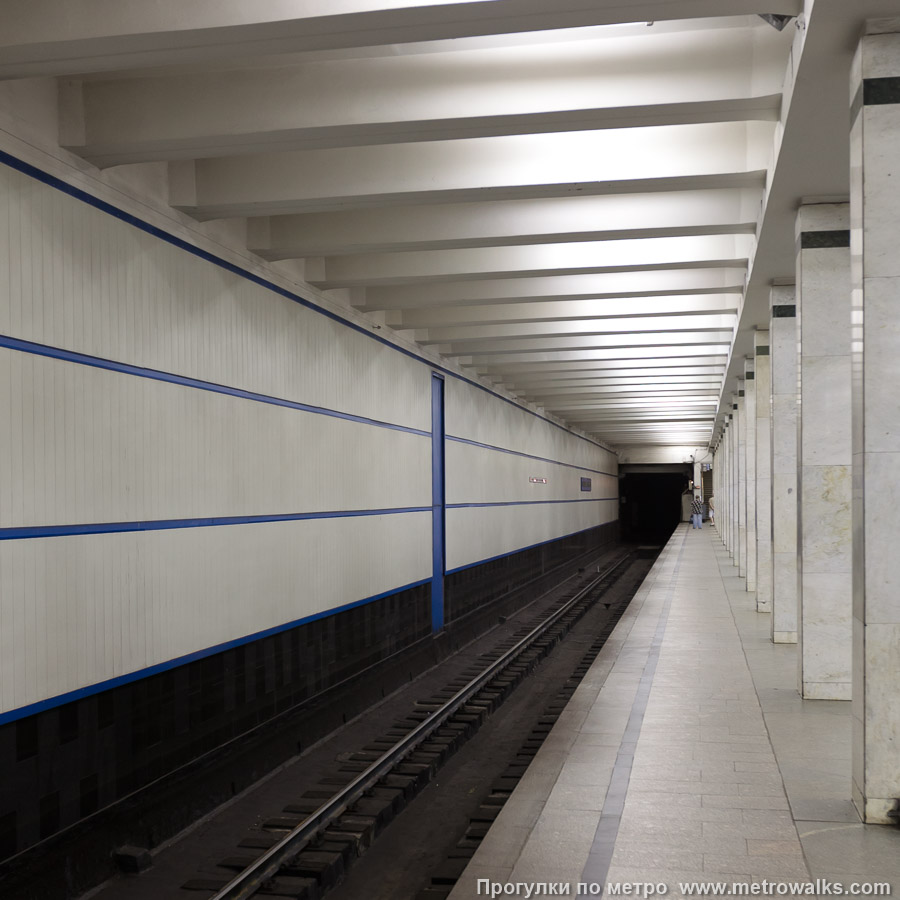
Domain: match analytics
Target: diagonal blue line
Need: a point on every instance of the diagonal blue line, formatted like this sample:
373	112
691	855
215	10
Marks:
45	531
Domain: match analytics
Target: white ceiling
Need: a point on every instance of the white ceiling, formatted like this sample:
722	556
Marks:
584	202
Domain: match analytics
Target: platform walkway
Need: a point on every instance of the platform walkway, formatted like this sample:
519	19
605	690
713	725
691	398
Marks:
686	755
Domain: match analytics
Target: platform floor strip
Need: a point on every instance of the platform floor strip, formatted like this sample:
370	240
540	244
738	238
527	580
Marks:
662	767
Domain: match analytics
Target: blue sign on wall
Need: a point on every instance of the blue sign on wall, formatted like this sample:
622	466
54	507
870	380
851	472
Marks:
585	484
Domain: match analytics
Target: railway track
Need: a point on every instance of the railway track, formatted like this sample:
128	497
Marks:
305	851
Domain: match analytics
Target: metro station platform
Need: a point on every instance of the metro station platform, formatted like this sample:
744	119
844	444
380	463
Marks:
686	755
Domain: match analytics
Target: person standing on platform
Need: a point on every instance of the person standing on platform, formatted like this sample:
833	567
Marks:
697	511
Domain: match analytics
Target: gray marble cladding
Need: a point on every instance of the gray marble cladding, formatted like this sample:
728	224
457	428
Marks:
875	215
741	554
750	420
764	573
824	453
783	454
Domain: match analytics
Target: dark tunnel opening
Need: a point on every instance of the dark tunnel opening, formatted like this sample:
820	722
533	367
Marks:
650	505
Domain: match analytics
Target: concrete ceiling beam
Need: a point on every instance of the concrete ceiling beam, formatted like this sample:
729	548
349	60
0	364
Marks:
648	324
549	387
603	286
683	389
685	77
54	37
538	221
708	156
563	311
551	368
659	342
617	356
539	259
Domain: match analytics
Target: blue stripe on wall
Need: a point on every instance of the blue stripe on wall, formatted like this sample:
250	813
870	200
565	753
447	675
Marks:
27	532
555	462
79	194
97	362
529	503
32	708
45	531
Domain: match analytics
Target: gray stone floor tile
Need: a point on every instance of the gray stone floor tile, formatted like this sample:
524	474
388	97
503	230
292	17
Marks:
818	810
726	751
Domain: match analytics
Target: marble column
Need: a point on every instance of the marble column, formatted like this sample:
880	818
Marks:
722	495
718	471
733	475
750	472
718	492
783	358
763	498
824	449
735	445
740	556
875	224
727	476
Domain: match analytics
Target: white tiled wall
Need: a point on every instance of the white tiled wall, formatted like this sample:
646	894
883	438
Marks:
479	475
81	444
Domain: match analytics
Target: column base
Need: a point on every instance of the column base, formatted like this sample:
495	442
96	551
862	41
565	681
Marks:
784	637
763	606
874	811
826	690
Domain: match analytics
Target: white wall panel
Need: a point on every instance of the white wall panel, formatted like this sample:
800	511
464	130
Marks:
153	450
478	533
82	280
477	415
482	475
80	444
99	606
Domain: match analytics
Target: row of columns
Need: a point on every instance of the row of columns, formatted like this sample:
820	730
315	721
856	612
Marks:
806	473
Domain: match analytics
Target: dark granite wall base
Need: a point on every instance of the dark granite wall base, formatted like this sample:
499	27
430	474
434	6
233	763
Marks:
145	759
63	764
466	590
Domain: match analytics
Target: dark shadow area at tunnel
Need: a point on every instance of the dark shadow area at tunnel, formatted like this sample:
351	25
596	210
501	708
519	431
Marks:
650	505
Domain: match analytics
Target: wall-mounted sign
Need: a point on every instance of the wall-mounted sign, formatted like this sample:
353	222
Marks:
585	484
534	480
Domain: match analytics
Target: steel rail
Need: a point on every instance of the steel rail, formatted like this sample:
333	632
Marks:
251	879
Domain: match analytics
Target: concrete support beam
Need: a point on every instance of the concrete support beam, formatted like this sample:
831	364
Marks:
824	525
365	270
674	381
875	216
604	286
316	104
537	371
564	311
713	156
580	327
45	38
621	356
647	344
541	221
763	482
604	369
785	373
